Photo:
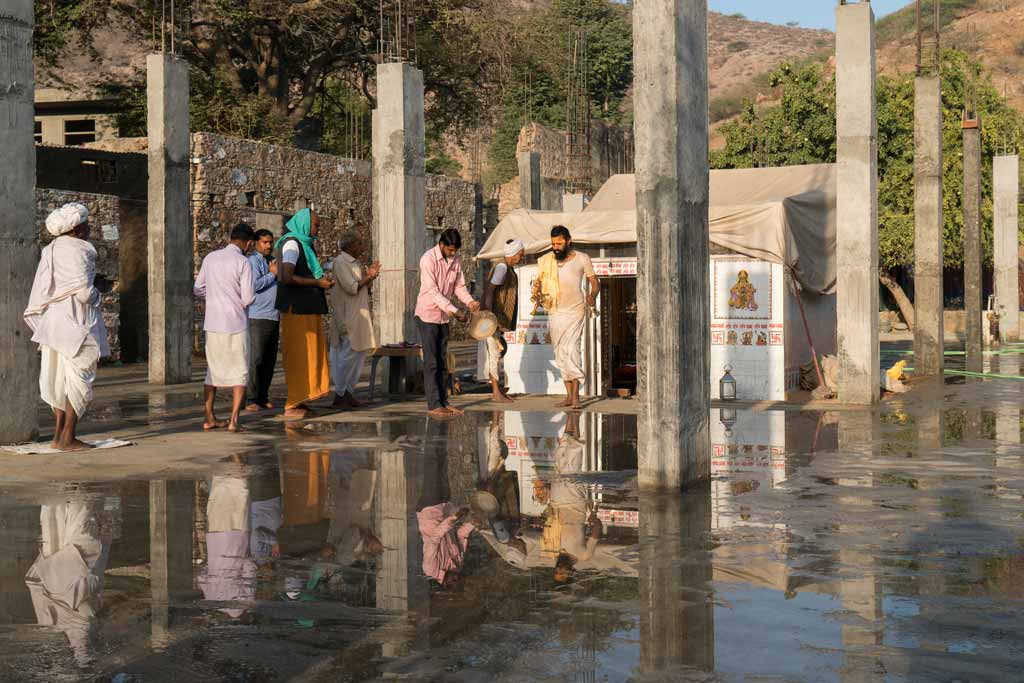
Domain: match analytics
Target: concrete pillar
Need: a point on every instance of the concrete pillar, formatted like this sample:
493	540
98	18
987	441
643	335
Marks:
928	330
399	233
171	504
677	615
171	258
671	128
19	362
1005	185
972	245
529	180
857	205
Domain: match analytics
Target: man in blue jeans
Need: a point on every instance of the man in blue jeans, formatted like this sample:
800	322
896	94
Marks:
441	278
264	332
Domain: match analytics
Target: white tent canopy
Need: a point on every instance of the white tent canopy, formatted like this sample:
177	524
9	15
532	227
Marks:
784	215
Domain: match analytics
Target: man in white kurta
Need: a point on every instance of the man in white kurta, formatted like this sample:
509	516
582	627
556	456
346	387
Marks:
64	315
225	281
559	285
352	337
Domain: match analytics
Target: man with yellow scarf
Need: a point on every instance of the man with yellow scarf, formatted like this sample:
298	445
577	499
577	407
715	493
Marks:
562	273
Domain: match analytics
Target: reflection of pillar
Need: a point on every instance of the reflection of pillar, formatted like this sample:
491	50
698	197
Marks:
671	127
677	619
858	431
19	361
400	583
859	596
1008	411
931	428
170	549
857	204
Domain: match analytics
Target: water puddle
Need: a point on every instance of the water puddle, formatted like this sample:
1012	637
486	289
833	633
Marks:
517	547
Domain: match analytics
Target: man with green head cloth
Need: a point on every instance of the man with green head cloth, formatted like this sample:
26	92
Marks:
302	301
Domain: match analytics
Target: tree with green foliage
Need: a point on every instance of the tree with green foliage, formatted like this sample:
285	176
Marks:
275	59
801	130
535	83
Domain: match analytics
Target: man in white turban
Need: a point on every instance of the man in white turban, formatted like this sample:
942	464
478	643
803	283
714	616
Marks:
501	297
64	315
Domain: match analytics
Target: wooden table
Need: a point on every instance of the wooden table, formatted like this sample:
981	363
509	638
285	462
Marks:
397	356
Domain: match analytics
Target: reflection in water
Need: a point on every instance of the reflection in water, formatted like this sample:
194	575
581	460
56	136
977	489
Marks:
66	579
515	546
677	627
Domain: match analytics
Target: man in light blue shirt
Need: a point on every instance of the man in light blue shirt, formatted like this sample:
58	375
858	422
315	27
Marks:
264	332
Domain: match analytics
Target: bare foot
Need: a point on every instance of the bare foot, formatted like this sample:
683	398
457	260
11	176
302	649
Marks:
455	411
254	407
55	443
235	428
575	406
268	405
563	404
500	398
296	413
440	413
216	424
75	445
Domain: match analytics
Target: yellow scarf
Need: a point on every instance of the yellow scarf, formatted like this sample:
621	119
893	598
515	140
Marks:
547	272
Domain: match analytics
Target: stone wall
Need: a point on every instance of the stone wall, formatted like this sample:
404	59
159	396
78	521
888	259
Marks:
105	236
237	180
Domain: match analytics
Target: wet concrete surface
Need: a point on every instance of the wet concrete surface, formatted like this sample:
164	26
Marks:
829	546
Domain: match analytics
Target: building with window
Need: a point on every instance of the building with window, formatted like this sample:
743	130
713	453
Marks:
71	119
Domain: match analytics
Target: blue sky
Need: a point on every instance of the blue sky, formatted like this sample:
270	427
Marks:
810	13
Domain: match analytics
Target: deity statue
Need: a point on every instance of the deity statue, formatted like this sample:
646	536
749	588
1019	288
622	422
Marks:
741	294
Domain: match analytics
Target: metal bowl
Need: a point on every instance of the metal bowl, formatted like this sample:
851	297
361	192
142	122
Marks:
482	324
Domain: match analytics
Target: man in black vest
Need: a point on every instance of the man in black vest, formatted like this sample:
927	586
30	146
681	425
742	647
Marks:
302	301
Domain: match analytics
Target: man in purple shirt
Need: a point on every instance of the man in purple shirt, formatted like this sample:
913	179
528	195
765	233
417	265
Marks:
441	277
225	282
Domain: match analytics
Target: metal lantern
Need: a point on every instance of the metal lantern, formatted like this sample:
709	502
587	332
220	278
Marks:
727	385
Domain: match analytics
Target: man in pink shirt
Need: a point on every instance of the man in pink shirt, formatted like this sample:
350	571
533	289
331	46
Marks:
441	277
225	282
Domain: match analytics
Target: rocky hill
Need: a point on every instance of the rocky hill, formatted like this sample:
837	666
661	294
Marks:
740	51
991	31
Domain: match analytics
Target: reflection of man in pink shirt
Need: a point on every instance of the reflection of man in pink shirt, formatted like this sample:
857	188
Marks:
444	541
441	278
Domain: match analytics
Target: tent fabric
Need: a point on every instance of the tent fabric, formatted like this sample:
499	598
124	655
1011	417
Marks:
785	215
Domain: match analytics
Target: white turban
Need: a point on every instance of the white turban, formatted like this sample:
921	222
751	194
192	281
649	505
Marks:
66	218
513	247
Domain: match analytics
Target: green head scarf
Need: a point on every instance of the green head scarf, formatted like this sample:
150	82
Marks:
298	228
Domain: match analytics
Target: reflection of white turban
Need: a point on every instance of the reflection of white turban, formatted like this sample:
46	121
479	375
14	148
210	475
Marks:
513	247
66	218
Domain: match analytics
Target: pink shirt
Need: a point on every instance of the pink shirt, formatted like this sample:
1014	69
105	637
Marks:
443	544
440	278
225	281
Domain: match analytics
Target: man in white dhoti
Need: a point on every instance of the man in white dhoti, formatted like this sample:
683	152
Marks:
225	281
501	297
559	286
64	315
352	337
